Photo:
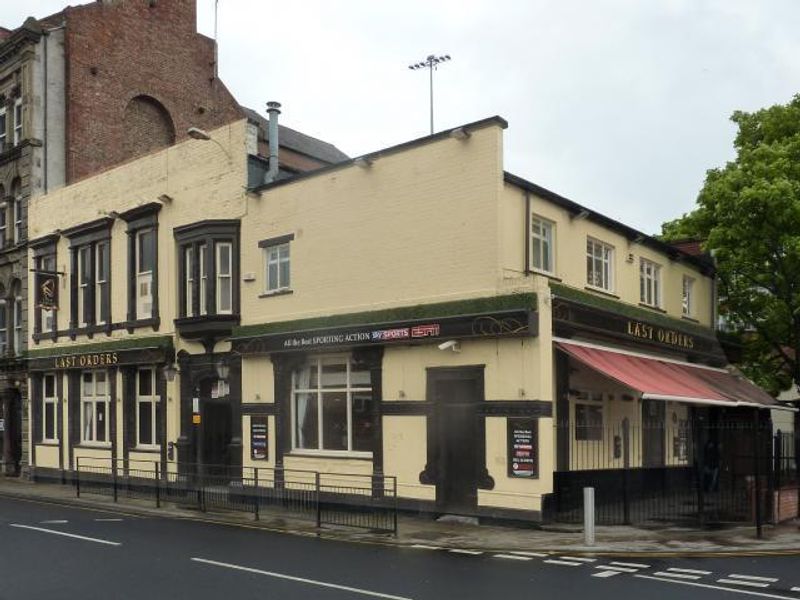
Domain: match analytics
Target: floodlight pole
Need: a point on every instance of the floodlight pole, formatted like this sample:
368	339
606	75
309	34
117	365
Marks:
431	62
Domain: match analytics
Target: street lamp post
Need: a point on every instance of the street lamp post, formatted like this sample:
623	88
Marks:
430	63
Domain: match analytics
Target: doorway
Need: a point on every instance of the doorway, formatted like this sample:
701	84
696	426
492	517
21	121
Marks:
458	440
653	433
215	437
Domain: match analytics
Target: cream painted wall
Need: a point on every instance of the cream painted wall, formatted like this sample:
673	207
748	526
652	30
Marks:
570	256
46	456
206	181
405	452
417	226
257	380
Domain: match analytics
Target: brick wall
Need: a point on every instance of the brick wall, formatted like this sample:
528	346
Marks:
118	50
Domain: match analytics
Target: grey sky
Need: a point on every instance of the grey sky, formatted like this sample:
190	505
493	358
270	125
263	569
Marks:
620	105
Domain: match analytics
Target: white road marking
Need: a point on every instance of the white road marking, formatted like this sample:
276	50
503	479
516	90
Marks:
794	589
54	522
534	554
424	547
108	520
512	556
578	559
65	534
740	582
617	569
634	565
324	584
753	578
564	563
463	551
717	587
690	571
676	575
605	574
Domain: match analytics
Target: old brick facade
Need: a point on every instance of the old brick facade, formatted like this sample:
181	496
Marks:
138	77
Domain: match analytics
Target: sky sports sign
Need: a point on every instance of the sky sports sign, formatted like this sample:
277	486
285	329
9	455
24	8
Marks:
506	323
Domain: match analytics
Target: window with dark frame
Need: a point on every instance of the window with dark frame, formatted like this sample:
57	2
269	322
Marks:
147	400
95	407
44	260
142	233
49	408
277	264
90	259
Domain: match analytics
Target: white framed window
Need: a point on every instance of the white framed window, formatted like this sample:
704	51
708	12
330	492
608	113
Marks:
3	127
49	408
101	296
649	282
145	265
48	317
3	328
17	121
599	265
17	324
203	278
3	227
332	407
84	278
94	407
147	400
188	275
542	245
687	296
16	212
278	263
224	252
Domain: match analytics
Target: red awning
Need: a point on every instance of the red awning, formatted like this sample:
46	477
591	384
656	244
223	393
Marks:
665	379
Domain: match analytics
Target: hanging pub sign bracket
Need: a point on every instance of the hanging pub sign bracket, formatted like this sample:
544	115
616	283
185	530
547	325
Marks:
46	288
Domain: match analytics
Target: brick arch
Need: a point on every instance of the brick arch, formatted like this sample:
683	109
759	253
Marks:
147	127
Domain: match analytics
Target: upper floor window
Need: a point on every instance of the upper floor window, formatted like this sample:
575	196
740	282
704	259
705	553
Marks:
3	127
49	408
649	282
16	314
277	263
142	261
208	268
15	219
3	328
332	406
687	296
90	274
17	121
599	265
542	246
46	285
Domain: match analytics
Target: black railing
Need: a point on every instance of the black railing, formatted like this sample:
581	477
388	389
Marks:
327	499
677	471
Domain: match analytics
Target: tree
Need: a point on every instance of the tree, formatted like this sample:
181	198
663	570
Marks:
748	213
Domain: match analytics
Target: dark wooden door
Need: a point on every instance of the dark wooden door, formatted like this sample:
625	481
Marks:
216	437
653	432
457	437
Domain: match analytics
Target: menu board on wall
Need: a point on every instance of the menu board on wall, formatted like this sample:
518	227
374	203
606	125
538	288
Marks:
523	448
258	438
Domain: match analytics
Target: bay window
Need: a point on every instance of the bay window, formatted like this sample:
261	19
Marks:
332	406
224	284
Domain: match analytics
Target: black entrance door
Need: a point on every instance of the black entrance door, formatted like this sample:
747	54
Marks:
456	397
11	434
216	437
653	412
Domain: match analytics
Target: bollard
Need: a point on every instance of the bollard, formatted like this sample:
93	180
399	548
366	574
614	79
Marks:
588	516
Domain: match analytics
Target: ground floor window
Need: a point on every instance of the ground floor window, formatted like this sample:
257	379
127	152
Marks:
146	407
94	406
49	409
332	406
589	416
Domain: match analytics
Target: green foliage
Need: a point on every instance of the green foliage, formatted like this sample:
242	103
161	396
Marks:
748	213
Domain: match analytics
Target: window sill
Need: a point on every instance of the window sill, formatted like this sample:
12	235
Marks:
653	308
94	445
297	452
598	290
551	276
49	443
147	449
283	292
690	319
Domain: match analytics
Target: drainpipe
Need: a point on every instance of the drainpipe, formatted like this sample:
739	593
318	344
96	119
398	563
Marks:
273	110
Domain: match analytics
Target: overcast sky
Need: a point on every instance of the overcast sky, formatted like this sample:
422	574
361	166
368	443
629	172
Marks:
620	105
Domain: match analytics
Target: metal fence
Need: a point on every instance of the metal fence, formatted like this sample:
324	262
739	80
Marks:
349	500
685	472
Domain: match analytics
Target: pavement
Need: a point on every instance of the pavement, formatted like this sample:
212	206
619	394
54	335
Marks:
420	532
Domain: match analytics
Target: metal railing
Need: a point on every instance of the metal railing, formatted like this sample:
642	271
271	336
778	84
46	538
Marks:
328	499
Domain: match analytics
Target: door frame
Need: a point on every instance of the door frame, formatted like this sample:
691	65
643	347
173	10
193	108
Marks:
431	475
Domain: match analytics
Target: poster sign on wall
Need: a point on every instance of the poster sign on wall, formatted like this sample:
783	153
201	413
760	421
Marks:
523	448
258	438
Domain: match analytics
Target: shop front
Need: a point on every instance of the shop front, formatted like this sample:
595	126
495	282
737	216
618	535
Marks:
428	395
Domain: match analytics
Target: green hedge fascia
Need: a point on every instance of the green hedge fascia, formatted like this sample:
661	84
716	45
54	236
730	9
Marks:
520	301
634	312
162	341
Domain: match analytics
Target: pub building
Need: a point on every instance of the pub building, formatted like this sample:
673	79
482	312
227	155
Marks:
416	313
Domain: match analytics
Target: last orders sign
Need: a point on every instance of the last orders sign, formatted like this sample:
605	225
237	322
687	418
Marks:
80	361
523	448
